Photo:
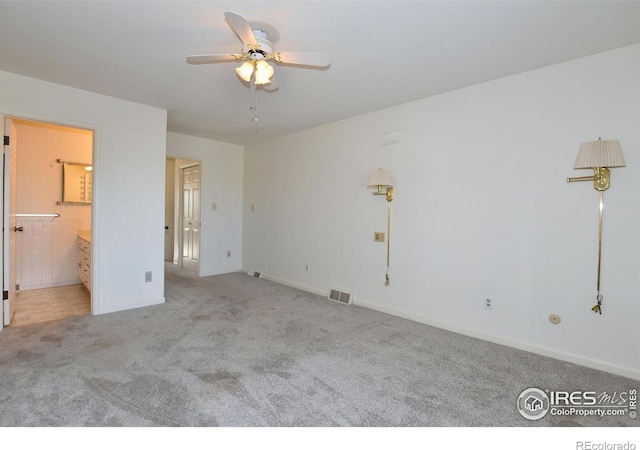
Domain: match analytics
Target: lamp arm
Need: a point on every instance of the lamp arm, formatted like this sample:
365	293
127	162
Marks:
585	178
601	178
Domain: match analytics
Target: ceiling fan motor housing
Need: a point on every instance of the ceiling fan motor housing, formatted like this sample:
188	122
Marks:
265	47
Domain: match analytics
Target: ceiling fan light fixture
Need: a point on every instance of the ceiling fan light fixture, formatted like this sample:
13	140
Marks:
257	48
264	72
245	71
261	78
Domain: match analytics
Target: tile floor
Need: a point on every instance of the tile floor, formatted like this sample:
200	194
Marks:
43	305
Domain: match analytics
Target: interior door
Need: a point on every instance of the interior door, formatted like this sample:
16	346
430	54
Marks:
191	217
10	229
169	209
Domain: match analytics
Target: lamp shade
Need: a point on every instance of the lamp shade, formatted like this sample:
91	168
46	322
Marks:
263	72
379	177
245	71
599	154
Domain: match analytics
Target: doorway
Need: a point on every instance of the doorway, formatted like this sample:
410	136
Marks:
190	206
183	213
48	190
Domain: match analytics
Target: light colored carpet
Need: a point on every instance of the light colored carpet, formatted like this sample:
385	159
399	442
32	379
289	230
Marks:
233	350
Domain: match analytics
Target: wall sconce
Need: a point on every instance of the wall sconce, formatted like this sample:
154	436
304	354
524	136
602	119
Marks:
378	179
600	156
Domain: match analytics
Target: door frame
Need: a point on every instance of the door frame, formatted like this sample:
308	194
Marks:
95	229
9	202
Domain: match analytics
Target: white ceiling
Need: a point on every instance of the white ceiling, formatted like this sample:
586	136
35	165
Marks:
383	53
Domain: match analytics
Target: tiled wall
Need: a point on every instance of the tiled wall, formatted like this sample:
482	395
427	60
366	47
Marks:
47	252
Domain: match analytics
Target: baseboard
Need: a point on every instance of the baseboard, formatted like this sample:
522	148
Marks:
562	356
211	274
302	287
119	308
29	287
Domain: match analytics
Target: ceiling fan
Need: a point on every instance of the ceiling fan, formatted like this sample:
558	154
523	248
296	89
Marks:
257	50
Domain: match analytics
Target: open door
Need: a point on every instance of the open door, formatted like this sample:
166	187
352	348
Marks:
9	220
191	217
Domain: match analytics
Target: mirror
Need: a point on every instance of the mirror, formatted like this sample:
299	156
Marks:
76	183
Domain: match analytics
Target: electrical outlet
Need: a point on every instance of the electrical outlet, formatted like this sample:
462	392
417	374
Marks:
306	267
378	237
488	303
148	277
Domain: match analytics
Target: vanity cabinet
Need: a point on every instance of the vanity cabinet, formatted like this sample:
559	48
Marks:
84	261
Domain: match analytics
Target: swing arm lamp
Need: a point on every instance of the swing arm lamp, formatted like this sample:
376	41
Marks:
600	156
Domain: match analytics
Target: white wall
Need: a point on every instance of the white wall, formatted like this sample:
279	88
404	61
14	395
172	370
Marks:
482	210
39	177
221	166
128	206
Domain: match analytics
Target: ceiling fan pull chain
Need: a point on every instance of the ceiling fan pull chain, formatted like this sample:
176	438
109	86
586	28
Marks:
598	308
255	103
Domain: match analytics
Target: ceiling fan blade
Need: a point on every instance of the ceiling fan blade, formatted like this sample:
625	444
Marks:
303	59
208	59
272	86
241	27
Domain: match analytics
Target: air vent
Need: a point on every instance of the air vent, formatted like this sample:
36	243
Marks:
255	274
340	296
